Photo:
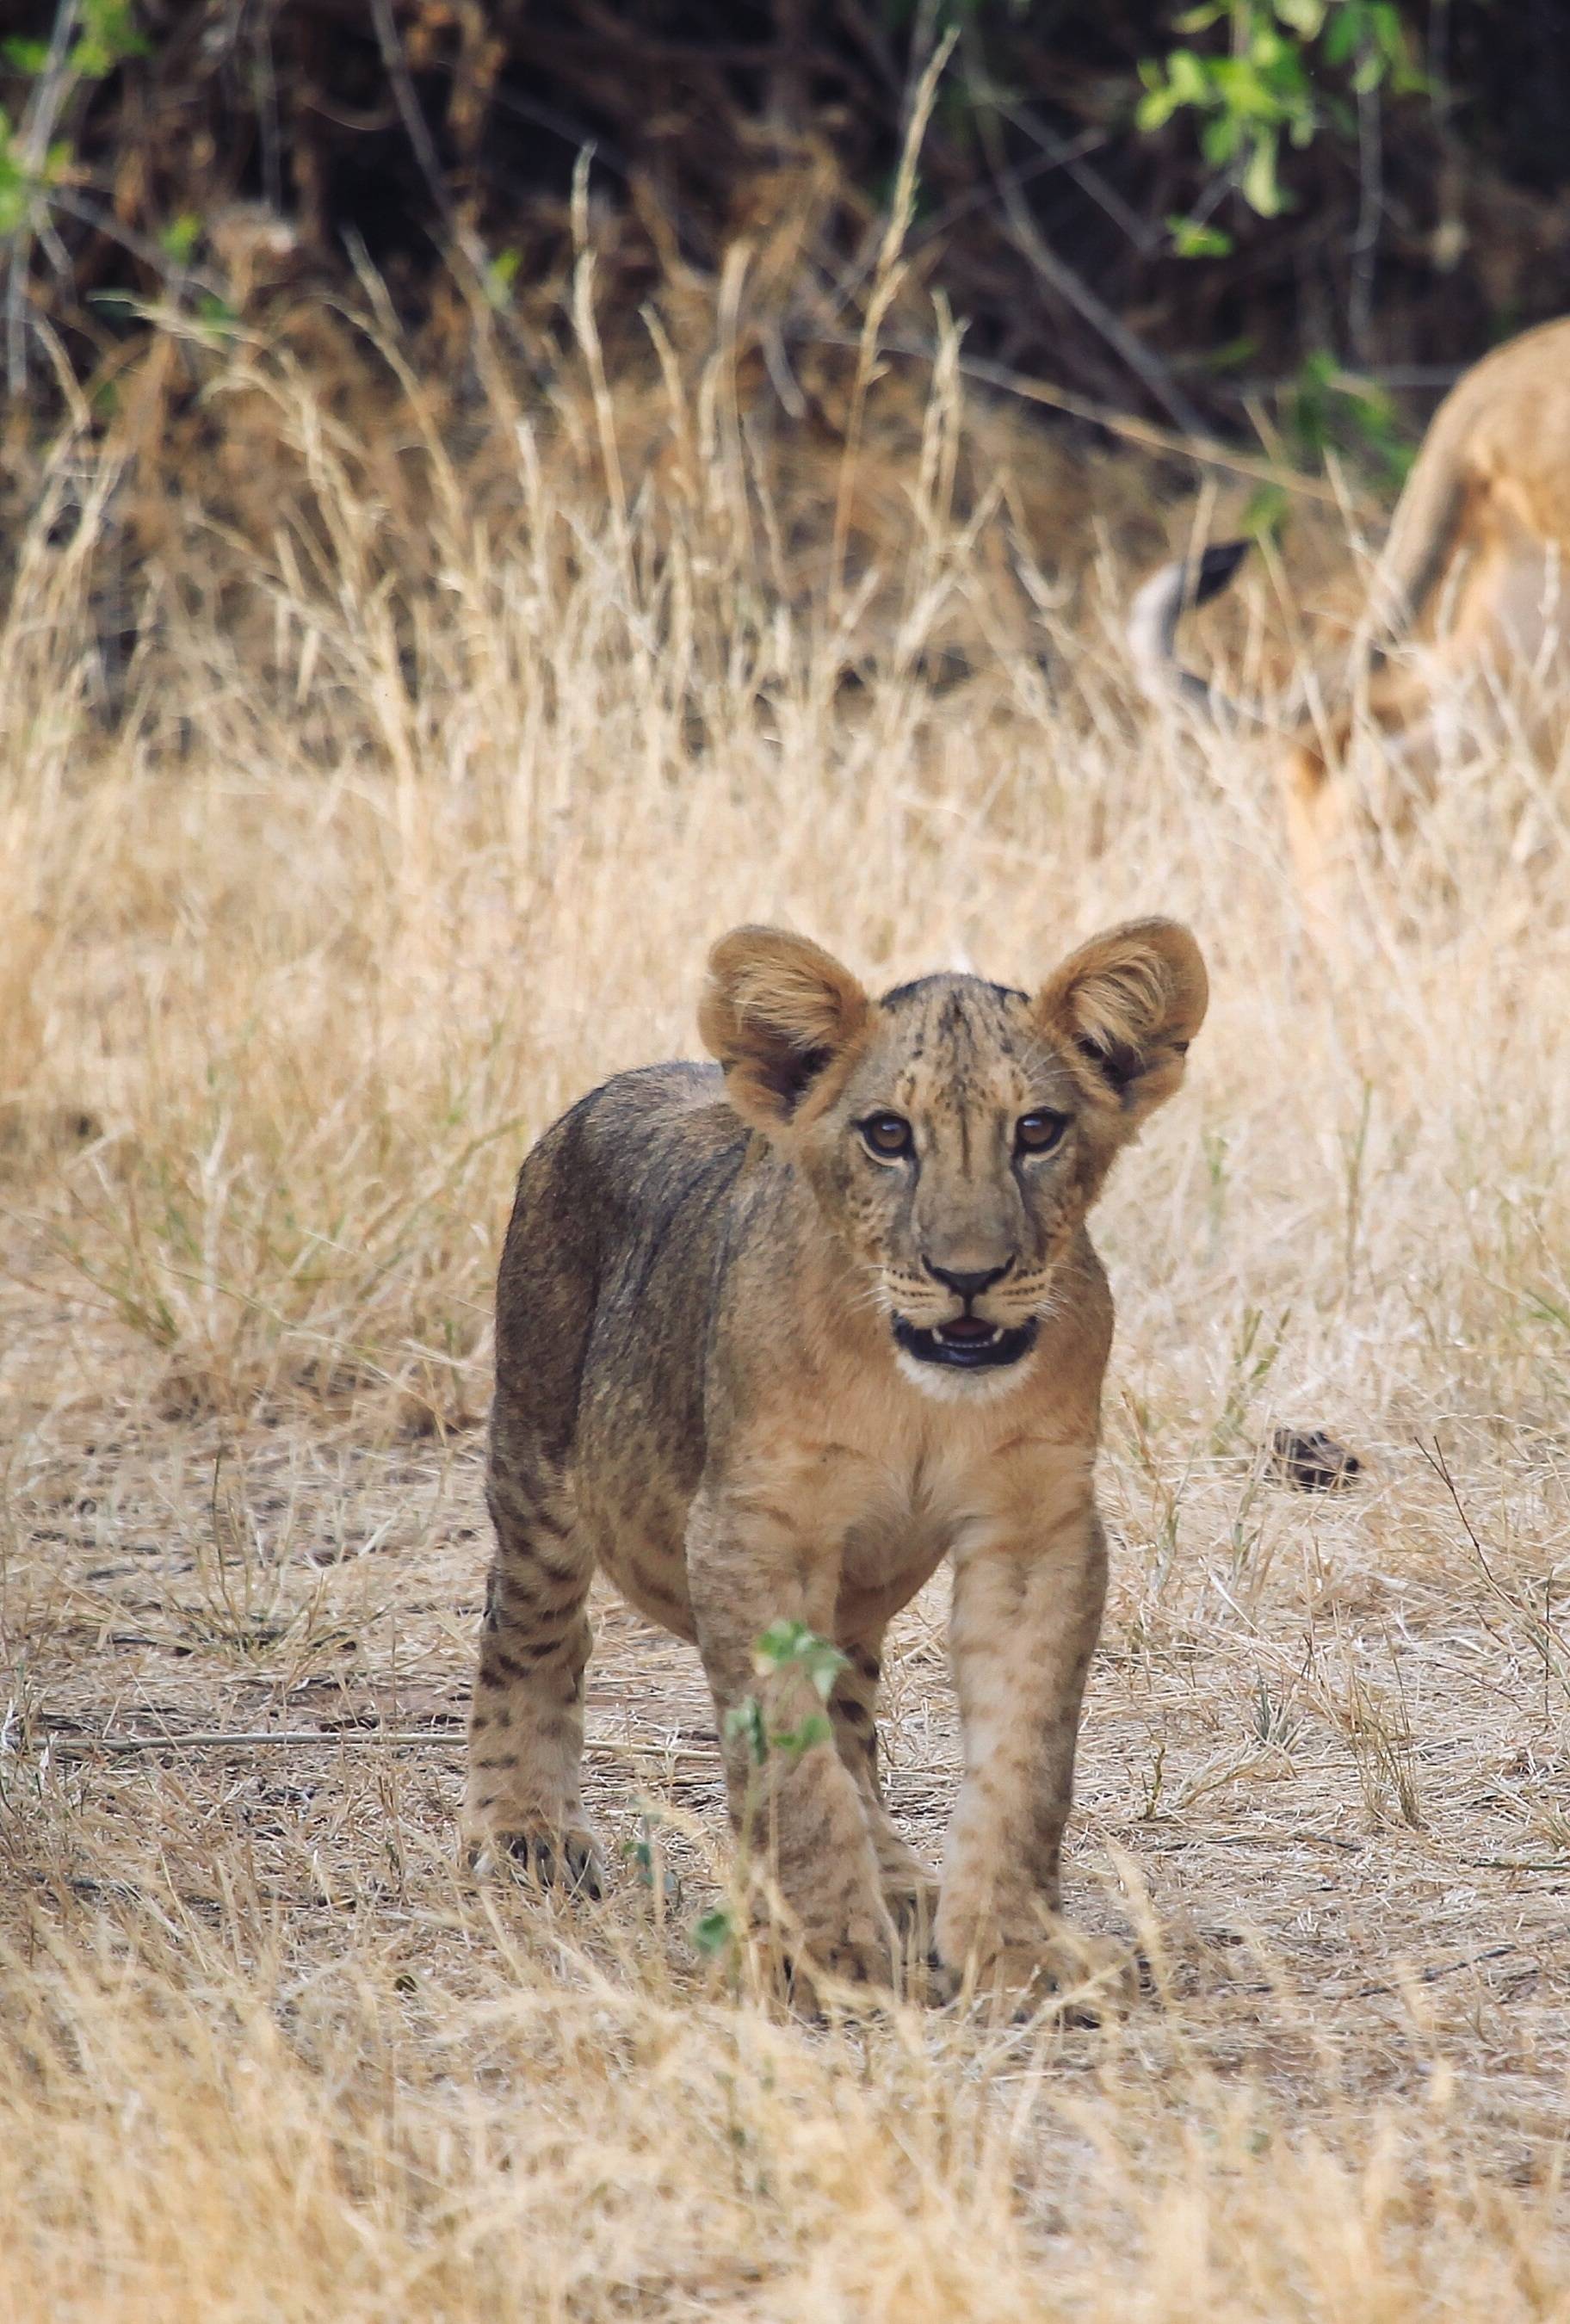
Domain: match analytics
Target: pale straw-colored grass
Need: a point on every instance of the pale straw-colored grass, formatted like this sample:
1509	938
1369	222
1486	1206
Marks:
413	818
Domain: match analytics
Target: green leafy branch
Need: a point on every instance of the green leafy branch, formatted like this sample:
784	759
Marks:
90	40
784	1647
105	36
1286	76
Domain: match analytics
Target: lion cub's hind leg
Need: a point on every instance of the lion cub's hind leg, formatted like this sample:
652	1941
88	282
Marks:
910	1888
524	1797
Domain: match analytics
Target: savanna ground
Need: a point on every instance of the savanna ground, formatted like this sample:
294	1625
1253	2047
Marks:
434	766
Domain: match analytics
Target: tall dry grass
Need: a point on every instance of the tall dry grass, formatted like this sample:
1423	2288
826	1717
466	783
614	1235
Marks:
454	732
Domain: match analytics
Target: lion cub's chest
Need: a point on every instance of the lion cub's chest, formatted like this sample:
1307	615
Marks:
895	1516
894	1510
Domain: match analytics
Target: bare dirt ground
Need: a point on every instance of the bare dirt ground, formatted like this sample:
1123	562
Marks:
1323	1779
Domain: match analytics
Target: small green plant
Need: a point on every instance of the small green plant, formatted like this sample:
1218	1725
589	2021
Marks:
714	1932
33	161
785	1646
1379	1735
38	162
1253	1359
106	34
1273	1723
1153	1783
501	272
646	1858
792	1645
1327	410
1287	73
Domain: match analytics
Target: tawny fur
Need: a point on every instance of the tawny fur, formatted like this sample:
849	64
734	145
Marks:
700	1391
1478	555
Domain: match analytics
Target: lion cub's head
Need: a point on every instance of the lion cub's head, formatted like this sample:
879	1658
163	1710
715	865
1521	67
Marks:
955	1132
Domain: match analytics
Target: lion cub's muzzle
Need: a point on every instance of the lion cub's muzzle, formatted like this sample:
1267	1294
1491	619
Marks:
968	1342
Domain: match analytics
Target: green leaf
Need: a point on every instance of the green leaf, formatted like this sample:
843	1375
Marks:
1190	78
1267	509
1231	354
500	274
1274	56
1190	239
28	56
785	1643
1304	18
1344	36
108	38
1385	25
180	235
1259	187
743	1723
1220	139
794	1740
714	1932
15	190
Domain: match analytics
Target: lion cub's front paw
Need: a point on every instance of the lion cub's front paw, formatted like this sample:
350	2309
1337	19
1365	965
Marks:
862	1956
569	1861
1084	1976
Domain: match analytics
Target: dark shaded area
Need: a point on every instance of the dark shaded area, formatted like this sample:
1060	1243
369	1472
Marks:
1421	225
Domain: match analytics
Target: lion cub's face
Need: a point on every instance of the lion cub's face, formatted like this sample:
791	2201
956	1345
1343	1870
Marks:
955	1132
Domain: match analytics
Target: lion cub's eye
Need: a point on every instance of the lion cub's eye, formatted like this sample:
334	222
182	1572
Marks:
888	1135
1038	1133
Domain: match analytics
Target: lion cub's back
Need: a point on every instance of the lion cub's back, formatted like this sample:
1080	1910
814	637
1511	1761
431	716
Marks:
628	1183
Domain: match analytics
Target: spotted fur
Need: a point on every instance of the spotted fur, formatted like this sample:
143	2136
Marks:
708	1300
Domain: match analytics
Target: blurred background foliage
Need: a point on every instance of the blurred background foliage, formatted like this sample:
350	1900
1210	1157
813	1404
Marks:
1289	221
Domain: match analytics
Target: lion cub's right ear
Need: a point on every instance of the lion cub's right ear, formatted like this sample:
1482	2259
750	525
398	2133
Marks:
777	1009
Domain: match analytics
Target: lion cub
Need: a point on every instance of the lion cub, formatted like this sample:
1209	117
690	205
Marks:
772	1341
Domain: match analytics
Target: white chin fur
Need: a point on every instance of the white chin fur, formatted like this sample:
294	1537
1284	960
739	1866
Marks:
948	1384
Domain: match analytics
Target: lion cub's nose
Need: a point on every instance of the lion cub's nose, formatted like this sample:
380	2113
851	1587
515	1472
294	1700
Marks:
969	1285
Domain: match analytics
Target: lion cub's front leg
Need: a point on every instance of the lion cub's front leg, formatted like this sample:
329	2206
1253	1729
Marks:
911	1890
1026	1616
792	1799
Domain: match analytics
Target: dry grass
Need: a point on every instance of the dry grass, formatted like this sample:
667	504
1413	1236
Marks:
372	876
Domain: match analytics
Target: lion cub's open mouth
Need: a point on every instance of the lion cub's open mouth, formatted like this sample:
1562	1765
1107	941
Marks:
966	1342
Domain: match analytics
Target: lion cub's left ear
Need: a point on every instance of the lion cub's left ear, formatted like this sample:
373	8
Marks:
1129	1002
776	1011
